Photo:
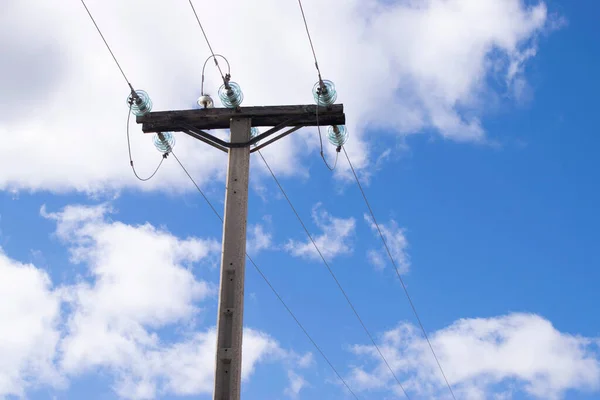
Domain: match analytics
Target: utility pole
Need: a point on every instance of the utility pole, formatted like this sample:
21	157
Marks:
228	369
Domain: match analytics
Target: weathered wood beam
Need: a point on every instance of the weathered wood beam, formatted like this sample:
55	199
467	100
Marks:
219	118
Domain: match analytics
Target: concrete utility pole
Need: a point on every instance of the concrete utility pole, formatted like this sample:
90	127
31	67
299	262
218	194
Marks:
228	370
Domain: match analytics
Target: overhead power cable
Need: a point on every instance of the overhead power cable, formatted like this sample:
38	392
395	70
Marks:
108	47
105	42
131	159
337	153
389	253
368	205
134	99
339	285
207	41
312	47
322	88
316	346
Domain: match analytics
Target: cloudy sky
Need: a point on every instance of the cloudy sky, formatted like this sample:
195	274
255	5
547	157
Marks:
471	128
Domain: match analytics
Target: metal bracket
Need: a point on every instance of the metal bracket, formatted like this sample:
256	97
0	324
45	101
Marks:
206	138
284	134
224	146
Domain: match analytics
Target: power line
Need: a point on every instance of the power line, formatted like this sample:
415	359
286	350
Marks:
333	274
198	187
372	215
312	47
207	41
412	305
337	153
131	159
106	43
270	285
130	105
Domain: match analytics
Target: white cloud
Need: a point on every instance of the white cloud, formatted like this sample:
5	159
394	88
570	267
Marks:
523	351
132	313
258	239
137	285
396	242
135	269
376	259
187	368
29	328
400	66
306	360
333	242
297	383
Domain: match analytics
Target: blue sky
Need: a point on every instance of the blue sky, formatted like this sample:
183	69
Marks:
472	128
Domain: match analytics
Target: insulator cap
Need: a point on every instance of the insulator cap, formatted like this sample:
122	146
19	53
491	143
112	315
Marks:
205	101
337	135
324	93
165	143
141	105
231	95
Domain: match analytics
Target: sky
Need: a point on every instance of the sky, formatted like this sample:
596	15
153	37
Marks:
472	130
